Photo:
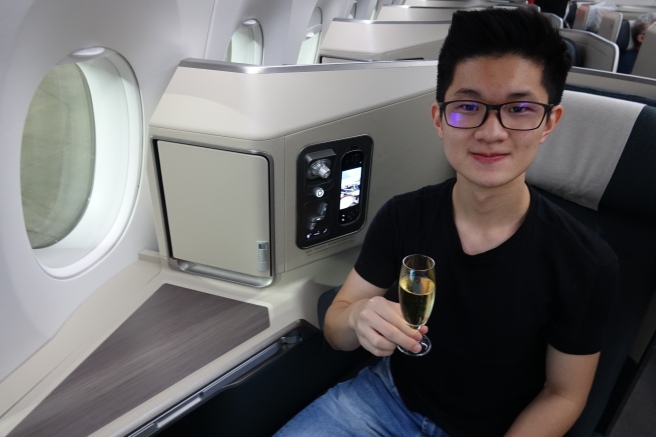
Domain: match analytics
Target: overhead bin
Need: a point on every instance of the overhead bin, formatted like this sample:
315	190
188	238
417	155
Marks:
366	40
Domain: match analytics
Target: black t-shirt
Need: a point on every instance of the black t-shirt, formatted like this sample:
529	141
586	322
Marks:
552	282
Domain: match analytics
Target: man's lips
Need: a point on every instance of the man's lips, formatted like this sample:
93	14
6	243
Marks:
488	157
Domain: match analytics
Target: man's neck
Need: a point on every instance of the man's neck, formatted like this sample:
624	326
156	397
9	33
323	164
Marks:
486	217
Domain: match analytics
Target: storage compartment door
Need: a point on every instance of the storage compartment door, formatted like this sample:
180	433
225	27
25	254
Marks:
217	207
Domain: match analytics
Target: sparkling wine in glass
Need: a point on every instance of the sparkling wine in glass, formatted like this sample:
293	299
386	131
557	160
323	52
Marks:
416	295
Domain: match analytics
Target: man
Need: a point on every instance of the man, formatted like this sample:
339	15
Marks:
523	290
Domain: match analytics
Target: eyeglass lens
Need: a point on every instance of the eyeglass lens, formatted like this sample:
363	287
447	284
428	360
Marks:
514	115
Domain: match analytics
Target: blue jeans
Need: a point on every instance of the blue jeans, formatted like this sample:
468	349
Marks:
367	405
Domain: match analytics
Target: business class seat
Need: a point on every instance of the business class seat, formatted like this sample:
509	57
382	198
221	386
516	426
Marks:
609	25
600	165
581	14
593	51
554	19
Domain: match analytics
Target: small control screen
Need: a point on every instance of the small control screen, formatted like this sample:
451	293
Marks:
350	193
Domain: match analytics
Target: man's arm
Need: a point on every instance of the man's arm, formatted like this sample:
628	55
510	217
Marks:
553	412
361	316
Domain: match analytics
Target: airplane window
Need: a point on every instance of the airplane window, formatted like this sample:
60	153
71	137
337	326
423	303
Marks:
246	44
310	46
80	159
57	156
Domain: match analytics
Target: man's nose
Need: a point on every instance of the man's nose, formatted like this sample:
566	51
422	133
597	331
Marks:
492	125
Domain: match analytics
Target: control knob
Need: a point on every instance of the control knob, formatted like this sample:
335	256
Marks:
319	168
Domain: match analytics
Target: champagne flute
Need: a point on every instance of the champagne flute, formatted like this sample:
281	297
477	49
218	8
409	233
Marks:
416	295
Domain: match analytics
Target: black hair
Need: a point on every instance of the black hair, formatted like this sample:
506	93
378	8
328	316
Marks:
522	31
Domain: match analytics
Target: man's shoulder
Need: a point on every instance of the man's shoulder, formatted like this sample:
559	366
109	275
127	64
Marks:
566	230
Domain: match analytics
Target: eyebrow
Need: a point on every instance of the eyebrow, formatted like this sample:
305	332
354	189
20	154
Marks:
474	94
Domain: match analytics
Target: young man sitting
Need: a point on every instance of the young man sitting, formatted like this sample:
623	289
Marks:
523	289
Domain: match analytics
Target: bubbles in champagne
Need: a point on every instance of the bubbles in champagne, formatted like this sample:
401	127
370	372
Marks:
416	296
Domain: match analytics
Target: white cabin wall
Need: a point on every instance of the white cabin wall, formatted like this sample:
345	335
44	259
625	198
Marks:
153	36
332	10
283	22
301	13
634	2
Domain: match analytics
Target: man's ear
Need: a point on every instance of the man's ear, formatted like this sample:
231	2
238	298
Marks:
641	38
437	119
553	119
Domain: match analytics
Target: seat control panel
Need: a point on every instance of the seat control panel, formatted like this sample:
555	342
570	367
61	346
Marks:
332	186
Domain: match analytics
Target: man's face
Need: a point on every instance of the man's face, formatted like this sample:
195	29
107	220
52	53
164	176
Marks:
491	155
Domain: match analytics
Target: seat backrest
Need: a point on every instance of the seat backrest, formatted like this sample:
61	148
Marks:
598	164
645	64
596	52
554	19
581	17
609	26
624	39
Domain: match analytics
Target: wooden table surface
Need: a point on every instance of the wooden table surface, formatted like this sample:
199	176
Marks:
173	334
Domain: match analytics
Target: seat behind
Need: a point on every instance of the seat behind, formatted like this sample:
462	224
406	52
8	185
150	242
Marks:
555	20
609	26
645	64
596	52
581	15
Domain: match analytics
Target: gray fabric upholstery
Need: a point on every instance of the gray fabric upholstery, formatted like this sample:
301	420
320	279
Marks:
600	165
596	52
579	157
644	64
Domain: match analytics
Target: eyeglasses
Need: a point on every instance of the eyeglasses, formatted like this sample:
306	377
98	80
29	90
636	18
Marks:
469	114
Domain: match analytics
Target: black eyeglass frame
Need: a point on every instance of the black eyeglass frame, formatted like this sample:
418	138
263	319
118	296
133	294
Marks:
547	111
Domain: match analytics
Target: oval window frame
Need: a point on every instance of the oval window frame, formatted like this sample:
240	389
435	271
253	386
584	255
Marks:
118	126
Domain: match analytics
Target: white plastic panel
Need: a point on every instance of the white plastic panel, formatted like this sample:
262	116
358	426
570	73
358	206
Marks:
363	40
217	207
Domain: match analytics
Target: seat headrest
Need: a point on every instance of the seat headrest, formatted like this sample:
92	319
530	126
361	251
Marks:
599	152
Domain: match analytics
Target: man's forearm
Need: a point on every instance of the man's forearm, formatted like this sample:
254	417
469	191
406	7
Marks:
337	329
549	415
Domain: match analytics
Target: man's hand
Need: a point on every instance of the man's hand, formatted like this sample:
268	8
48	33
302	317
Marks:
361	316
